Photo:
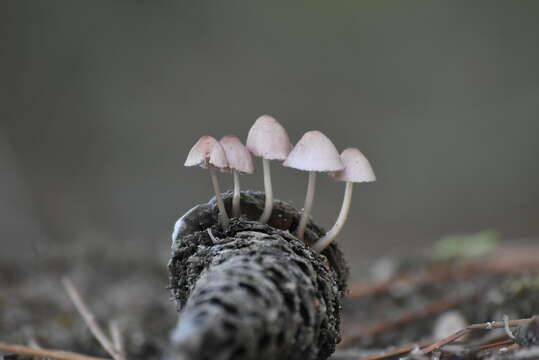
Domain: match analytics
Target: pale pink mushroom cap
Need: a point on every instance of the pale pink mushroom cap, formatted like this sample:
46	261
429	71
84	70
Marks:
268	139
239	158
314	152
357	167
207	152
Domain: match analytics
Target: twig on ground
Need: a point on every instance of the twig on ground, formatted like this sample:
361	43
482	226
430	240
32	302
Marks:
117	338
89	319
52	354
429	346
507	328
511	348
397	351
211	235
517	261
496	344
482	326
404	319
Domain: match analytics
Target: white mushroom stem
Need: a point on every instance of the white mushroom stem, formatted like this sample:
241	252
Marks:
268	206
223	217
330	236
309	197
236	196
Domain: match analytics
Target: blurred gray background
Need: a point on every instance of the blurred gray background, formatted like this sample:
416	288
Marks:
102	100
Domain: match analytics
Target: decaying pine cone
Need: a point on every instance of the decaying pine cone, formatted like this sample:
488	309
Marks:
254	291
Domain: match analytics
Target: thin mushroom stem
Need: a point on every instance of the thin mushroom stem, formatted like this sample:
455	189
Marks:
268	206
309	197
223	217
236	196
324	242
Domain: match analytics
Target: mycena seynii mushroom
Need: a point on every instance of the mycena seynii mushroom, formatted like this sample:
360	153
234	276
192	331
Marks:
239	161
210	271
209	154
357	169
313	153
269	140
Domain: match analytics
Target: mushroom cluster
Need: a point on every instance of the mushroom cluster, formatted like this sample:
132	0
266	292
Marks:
267	139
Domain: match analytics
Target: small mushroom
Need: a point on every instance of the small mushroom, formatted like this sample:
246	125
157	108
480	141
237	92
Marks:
268	140
209	154
313	153
357	169
239	161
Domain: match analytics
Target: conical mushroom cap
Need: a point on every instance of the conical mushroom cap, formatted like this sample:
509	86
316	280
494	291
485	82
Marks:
268	139
314	152
357	167
239	158
207	151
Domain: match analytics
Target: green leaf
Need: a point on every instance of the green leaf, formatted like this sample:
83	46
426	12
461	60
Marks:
466	246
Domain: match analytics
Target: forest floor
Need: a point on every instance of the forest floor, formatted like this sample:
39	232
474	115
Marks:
400	310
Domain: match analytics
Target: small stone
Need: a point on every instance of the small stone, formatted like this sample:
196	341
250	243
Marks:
448	323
